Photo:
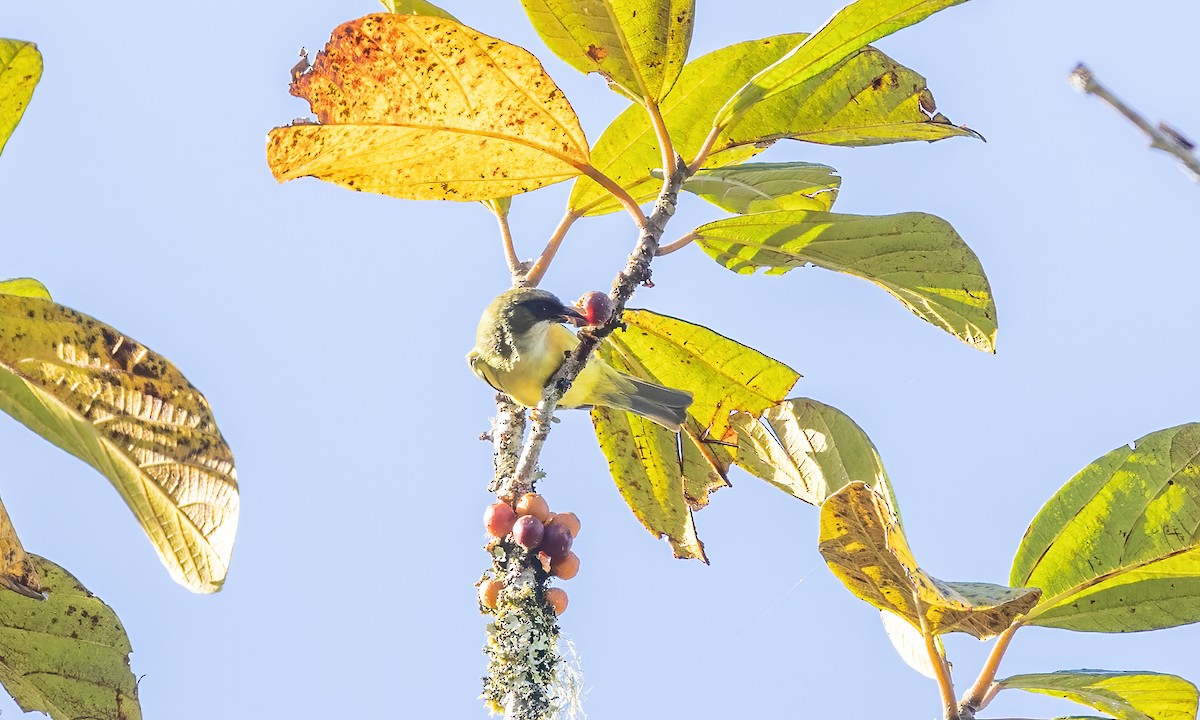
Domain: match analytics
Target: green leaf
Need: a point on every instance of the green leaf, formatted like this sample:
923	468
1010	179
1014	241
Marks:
852	28
24	287
868	99
1117	549
67	655
918	258
20	70
809	450
416	7
639	45
644	463
723	375
130	414
763	187
864	545
1125	695
909	644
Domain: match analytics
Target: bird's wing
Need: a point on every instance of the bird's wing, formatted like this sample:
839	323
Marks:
480	367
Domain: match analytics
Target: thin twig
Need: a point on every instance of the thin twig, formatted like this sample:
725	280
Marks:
538	270
636	272
1163	137
677	244
940	671
981	693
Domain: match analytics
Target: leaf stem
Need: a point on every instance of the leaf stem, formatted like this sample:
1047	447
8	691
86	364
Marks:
1163	137
705	150
982	692
670	158
940	671
622	196
677	244
515	266
538	270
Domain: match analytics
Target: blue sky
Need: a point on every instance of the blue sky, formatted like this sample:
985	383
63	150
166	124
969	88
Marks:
327	328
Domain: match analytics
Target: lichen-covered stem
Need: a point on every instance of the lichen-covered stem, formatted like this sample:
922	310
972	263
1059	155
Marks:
635	273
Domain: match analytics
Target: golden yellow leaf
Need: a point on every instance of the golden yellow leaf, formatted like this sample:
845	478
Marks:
425	108
16	570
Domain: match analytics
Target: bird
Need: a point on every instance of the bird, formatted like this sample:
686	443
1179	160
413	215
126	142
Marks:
521	342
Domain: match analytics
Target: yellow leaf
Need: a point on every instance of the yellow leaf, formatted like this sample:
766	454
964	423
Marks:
424	108
129	413
16	570
20	70
865	547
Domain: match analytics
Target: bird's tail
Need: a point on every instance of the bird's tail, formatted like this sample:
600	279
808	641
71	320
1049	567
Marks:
663	405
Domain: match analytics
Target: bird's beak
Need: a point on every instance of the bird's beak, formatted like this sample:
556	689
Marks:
573	316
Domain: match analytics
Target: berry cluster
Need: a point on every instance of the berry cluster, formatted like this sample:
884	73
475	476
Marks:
532	526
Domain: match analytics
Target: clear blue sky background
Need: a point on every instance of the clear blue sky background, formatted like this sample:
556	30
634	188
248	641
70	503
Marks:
328	328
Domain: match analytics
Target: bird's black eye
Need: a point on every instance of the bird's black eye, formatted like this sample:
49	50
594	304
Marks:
544	309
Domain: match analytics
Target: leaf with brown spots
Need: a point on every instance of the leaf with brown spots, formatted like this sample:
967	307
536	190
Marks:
425	108
16	570
133	416
639	45
20	70
865	547
67	655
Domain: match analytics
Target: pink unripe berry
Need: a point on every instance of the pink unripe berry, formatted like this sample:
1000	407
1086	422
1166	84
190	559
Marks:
498	519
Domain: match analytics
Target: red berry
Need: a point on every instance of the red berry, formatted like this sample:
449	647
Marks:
557	597
567	567
556	542
528	532
498	519
596	307
535	505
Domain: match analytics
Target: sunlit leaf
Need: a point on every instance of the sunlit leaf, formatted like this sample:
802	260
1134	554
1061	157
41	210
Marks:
67	655
866	100
424	108
644	463
763	187
723	375
865	547
852	28
1124	695
416	7
25	287
640	45
20	70
918	258
909	643
1117	549
809	450
132	415
705	463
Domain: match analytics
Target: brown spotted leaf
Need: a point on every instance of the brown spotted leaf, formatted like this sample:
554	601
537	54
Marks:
66	655
865	547
425	108
16	571
129	413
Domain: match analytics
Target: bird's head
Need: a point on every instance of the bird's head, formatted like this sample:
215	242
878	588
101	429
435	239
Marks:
523	309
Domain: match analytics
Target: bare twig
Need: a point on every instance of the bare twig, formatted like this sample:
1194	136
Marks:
1162	137
636	272
984	689
538	270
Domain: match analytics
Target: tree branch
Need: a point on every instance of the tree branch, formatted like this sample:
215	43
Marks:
1163	137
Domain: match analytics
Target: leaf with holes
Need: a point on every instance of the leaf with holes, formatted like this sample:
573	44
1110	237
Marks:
66	655
639	45
20	70
1117	549
129	413
424	108
868	99
917	258
1123	694
865	547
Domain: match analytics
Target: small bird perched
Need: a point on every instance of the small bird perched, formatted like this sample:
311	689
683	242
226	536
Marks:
521	343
